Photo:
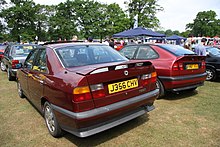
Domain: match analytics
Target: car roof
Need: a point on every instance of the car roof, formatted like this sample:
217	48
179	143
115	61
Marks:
55	45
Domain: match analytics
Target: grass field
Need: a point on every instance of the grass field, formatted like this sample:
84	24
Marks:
187	119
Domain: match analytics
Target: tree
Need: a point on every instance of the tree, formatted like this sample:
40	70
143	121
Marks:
145	10
205	24
20	19
63	23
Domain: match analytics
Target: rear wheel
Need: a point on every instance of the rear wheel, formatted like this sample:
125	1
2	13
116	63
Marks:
159	86
3	67
51	121
211	75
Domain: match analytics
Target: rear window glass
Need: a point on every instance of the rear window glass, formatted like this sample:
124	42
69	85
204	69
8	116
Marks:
176	49
21	50
81	55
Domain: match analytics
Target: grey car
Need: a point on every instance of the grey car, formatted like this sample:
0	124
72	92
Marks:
13	56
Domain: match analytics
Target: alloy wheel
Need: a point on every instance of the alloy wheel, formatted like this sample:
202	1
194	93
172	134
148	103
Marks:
49	117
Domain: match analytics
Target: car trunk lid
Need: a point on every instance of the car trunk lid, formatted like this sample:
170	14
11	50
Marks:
110	83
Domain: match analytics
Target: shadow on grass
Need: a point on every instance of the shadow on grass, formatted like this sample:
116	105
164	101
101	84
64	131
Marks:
180	95
109	134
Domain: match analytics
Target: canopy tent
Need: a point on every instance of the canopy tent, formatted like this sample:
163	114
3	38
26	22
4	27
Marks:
139	31
175	37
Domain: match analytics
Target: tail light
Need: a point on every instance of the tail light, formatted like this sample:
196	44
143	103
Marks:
177	66
148	78
84	93
97	91
81	94
203	64
14	63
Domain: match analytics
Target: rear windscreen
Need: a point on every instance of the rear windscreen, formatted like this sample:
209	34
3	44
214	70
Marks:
176	49
81	55
21	50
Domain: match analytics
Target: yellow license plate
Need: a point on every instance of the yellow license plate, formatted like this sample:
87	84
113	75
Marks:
192	66
124	85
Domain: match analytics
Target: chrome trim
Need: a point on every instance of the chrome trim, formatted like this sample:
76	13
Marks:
105	109
58	57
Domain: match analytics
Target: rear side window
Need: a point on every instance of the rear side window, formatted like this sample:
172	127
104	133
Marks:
176	49
81	55
145	52
128	51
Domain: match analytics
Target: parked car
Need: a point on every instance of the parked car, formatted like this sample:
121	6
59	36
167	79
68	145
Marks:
212	63
86	88
13	55
2	49
177	68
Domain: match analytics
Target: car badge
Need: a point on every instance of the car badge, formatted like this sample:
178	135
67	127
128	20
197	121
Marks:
126	72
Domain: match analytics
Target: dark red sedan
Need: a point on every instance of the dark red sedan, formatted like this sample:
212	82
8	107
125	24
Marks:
177	68
86	88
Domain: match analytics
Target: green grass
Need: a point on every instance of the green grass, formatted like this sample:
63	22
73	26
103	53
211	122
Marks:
187	119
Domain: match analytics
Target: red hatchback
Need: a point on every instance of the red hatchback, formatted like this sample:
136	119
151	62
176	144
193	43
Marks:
177	68
86	88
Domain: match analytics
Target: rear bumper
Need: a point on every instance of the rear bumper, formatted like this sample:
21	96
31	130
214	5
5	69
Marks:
13	72
135	107
180	83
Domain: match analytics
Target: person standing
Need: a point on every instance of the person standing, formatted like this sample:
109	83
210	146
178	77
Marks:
112	43
200	48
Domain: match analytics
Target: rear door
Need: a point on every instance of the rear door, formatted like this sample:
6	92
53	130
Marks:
25	72
36	77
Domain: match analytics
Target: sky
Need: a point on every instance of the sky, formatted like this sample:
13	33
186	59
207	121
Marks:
176	13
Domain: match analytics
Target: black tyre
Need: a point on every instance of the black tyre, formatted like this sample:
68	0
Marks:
211	75
3	67
51	121
20	91
10	77
159	86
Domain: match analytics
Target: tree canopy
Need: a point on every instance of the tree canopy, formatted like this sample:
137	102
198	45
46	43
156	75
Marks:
205	24
24	19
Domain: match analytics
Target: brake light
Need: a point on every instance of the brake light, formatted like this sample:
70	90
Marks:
14	63
97	91
203	64
177	66
147	78
81	94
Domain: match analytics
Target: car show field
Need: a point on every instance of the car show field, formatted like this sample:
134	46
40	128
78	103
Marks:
184	119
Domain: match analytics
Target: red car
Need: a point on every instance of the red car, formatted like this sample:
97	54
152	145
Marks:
177	68
2	49
118	46
86	88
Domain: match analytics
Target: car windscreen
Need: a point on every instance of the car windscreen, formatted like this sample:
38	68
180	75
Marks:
213	51
22	50
3	47
80	55
176	50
